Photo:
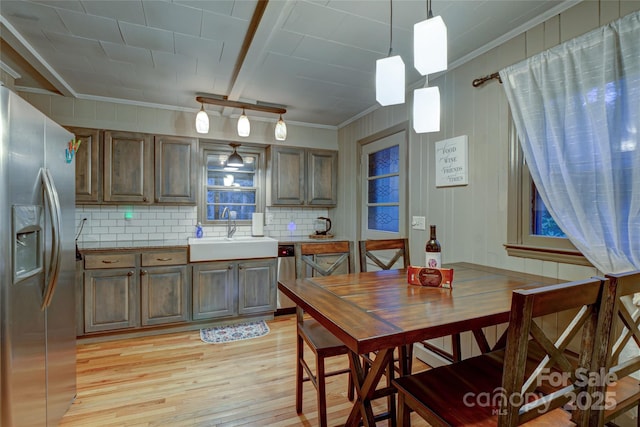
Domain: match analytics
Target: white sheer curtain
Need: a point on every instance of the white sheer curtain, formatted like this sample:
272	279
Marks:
577	112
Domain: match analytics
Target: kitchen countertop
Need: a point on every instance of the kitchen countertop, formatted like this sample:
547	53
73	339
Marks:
183	243
132	244
283	240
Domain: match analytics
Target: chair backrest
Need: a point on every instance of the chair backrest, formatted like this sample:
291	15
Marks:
399	246
323	258
519	382
624	332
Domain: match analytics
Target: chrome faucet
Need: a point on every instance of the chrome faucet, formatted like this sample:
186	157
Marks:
230	231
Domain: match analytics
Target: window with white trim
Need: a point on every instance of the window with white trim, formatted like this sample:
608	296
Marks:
383	187
238	189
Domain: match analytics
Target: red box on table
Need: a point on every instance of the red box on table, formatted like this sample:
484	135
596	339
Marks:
432	277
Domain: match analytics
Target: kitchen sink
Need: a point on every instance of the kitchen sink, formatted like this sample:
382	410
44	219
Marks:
223	248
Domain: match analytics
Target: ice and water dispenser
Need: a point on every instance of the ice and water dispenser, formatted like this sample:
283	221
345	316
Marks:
27	243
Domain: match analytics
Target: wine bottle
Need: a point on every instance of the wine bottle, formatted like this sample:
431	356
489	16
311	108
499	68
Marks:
432	250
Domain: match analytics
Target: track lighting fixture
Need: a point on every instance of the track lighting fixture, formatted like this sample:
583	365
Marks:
244	127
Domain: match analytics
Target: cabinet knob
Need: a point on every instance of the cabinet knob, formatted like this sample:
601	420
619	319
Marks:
230	267
143	272
130	273
144	199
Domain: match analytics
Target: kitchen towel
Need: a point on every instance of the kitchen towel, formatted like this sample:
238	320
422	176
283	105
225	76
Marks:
257	224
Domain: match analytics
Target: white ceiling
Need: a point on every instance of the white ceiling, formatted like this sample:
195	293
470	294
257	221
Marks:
317	58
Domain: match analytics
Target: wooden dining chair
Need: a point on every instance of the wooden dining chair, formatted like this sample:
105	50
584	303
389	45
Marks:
319	259
622	390
386	253
394	249
499	388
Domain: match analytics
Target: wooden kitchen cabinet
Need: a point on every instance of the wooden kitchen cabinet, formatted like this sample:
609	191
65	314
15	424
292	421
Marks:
287	172
232	288
302	177
164	287
214	290
322	177
131	289
135	168
111	292
176	170
87	161
128	167
257	286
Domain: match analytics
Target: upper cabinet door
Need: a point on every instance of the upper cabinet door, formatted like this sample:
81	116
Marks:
287	176
322	177
128	167
175	170
87	159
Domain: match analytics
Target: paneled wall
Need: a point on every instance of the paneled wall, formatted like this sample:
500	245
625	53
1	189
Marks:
471	219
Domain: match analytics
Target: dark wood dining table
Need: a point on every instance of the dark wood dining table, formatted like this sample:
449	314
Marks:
376	312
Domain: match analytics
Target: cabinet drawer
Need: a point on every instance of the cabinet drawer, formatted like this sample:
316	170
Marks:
93	261
170	257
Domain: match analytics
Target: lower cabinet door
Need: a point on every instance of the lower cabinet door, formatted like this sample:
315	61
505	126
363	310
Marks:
164	295
257	286
214	290
110	299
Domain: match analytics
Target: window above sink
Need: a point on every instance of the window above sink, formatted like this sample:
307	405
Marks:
238	189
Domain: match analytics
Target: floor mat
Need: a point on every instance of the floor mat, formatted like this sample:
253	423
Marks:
237	332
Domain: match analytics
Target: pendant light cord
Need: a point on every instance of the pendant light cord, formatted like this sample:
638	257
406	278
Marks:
390	27
429	11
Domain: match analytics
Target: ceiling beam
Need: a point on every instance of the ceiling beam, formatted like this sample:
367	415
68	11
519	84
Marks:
248	38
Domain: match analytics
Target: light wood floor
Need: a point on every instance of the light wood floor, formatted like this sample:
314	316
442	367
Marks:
177	380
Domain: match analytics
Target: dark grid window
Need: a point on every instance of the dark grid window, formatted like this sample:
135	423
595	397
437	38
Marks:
383	195
233	188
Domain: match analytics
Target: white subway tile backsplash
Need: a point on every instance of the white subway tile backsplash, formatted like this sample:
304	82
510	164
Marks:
108	223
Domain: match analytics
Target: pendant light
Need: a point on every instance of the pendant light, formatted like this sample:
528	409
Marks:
235	160
390	74
244	127
430	44
281	129
426	110
202	121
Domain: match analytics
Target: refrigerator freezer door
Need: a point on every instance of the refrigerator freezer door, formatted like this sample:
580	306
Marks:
61	332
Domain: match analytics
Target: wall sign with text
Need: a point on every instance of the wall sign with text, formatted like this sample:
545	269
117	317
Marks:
451	162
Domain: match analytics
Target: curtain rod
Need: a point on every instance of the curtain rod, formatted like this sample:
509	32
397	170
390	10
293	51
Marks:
482	80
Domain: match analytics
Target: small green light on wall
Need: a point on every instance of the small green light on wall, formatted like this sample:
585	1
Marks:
128	214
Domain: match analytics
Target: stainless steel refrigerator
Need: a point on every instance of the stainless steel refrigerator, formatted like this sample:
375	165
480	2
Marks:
37	262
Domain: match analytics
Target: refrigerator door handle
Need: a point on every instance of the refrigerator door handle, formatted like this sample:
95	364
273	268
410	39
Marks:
54	211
